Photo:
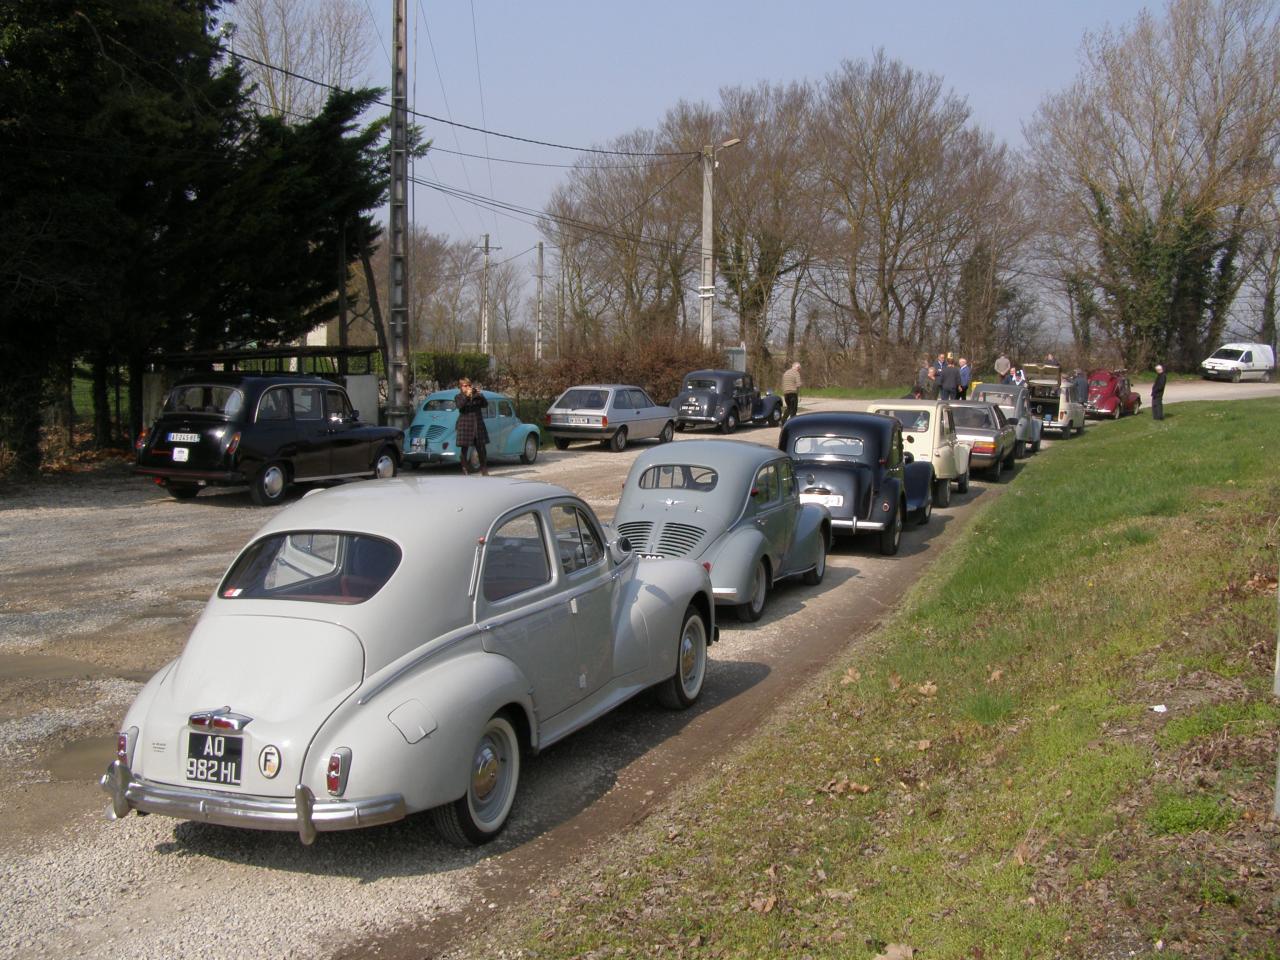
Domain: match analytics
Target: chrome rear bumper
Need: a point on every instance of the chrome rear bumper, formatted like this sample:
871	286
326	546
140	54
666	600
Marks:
301	814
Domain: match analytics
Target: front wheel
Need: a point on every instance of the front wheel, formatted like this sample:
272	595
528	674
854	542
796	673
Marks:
182	491
268	487
682	688
562	443
1035	447
667	433
891	536
530	451
1020	450
480	814
753	609
385	465
1115	413
618	442
926	512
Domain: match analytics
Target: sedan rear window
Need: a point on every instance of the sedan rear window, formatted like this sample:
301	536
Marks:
217	399
678	476
698	384
973	417
577	399
315	566
833	448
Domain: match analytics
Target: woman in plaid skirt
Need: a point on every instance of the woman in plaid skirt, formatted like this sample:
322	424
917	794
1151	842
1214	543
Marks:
471	431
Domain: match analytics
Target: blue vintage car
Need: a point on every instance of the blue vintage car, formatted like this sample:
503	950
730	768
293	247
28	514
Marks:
735	507
431	437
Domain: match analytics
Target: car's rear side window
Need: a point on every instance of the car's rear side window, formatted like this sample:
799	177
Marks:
313	565
307	403
218	399
515	558
274	405
915	421
576	539
678	476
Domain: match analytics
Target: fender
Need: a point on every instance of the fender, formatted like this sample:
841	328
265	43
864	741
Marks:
813	530
962	460
919	484
735	559
764	407
445	716
516	438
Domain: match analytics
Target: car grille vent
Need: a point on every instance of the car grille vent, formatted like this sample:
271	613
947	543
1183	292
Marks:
435	432
415	431
637	531
679	539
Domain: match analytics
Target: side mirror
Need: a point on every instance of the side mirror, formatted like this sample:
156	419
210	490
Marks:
355	414
620	550
908	457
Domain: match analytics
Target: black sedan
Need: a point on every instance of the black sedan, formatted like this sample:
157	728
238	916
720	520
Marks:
854	465
267	431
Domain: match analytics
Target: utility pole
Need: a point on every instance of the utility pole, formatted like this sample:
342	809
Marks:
707	289
560	311
484	301
397	377
537	337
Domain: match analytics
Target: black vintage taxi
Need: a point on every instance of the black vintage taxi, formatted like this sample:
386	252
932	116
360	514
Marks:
264	430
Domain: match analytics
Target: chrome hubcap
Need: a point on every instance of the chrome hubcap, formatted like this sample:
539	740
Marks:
273	482
484	779
386	467
691	653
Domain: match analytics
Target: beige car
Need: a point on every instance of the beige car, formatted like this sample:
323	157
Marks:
929	434
1052	402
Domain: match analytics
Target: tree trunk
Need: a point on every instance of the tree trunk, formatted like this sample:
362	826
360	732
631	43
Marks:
101	405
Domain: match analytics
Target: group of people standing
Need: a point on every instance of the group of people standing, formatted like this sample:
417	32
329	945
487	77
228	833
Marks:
946	378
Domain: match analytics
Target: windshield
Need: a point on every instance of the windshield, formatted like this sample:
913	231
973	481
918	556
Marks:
913	420
1227	354
315	566
678	476
1099	382
828	448
437	406
580	399
217	399
700	384
973	417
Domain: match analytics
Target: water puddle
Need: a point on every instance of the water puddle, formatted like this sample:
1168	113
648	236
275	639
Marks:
81	759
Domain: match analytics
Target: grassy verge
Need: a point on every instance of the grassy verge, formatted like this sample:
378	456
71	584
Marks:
988	777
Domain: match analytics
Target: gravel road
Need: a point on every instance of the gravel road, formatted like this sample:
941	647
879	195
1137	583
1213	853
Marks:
103	576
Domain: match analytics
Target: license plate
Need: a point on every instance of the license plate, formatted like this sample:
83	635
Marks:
214	758
180	454
827	499
184	438
1048	419
581	421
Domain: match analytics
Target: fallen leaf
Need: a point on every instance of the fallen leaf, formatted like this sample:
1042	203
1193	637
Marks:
928	688
772	872
764	905
895	681
850	676
896	951
696	941
995	676
923	745
858	788
842	895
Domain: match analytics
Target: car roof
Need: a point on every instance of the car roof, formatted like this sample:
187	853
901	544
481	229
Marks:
232	378
910	404
602	386
723	455
715	373
820	424
451	394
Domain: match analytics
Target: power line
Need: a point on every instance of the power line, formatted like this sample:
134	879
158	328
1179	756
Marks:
475	129
475	44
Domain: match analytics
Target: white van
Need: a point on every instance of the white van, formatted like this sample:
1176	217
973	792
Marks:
1240	361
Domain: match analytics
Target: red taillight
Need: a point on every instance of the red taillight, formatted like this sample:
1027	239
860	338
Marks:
335	775
706	565
234	443
547	419
604	421
142	439
223	723
199	720
984	448
122	746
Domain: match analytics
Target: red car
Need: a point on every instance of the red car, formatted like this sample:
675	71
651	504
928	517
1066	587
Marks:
1110	395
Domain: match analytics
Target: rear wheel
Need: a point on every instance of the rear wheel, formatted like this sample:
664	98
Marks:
682	688
666	434
618	442
996	469
182	491
730	422
927	510
480	814
1035	447
562	443
891	536
942	493
530	451
775	417
268	487
753	609
1020	450
679	426
962	485
1115	413
814	577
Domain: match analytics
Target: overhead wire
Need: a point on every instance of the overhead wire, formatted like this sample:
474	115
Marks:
475	44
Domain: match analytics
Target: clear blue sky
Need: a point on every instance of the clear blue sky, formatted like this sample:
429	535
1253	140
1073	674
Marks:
581	72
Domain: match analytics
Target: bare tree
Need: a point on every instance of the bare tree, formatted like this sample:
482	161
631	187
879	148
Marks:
326	40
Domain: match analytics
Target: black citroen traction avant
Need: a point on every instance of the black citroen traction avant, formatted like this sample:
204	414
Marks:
264	430
854	464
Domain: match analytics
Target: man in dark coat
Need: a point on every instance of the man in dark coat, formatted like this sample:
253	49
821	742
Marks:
470	430
948	381
1082	386
1157	394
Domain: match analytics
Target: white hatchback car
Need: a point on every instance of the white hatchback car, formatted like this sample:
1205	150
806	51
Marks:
392	646
608	413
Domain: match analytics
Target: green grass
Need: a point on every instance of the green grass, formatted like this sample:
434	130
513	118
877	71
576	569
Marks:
1000	722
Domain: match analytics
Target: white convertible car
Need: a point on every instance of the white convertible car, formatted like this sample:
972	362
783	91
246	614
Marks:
388	647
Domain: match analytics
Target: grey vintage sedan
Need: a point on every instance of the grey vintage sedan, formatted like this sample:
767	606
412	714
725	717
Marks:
992	439
1014	401
735	507
395	646
608	413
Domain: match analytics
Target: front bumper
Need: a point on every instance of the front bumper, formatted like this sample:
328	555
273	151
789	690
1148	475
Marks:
1213	373
696	418
302	814
1057	426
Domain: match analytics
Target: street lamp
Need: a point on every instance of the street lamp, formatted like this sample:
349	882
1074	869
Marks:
707	290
